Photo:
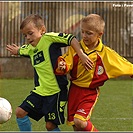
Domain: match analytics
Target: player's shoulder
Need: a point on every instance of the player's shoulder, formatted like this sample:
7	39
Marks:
58	34
51	34
110	50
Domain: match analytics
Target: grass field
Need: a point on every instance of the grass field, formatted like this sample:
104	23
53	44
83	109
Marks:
113	111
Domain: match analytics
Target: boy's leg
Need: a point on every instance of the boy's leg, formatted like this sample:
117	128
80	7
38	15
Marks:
22	119
51	127
24	123
90	127
29	108
83	125
56	110
56	129
84	109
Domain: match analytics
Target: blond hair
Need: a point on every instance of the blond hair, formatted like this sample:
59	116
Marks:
35	19
95	22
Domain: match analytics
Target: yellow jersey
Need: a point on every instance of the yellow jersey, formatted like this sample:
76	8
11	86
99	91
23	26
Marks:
107	64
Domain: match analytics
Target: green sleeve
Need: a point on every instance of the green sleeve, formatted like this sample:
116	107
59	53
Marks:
61	37
25	50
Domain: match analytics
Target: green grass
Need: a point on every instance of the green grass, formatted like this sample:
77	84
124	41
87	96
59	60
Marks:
113	111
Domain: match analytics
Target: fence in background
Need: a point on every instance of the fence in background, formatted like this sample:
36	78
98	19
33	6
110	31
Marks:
65	17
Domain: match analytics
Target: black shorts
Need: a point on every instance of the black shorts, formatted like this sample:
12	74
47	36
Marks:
51	107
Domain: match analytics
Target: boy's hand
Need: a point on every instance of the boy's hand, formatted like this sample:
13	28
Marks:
13	49
62	65
87	63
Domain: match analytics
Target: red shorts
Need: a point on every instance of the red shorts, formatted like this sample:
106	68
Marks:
81	102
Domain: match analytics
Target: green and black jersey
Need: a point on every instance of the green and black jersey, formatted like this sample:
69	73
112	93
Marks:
43	58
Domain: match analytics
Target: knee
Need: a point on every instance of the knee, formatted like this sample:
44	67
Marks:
50	126
20	113
79	124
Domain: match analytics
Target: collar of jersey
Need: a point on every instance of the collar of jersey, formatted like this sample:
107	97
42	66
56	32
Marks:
86	50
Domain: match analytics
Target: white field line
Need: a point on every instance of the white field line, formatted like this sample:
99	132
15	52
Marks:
109	118
112	118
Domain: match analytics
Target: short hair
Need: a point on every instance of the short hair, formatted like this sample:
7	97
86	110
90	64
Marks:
95	21
35	19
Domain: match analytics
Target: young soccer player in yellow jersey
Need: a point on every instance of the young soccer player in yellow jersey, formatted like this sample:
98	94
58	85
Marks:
84	88
49	96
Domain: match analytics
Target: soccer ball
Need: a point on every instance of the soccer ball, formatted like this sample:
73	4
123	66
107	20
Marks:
5	110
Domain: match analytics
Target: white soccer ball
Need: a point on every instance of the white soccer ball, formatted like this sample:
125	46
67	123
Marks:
5	110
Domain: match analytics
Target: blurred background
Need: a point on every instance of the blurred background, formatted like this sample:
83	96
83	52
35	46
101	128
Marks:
62	17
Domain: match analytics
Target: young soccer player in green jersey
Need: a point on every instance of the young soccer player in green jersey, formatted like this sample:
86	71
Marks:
49	96
84	88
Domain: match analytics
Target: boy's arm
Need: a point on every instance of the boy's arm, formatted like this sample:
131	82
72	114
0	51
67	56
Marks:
70	40
88	64
116	65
